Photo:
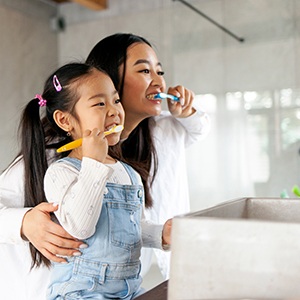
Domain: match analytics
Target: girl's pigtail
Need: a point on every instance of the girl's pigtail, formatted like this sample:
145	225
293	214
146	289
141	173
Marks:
33	150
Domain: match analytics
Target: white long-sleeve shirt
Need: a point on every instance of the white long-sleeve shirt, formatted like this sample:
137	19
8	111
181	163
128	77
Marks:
80	193
16	279
170	187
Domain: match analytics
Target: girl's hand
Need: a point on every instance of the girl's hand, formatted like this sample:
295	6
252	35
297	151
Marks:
166	233
94	145
48	237
182	108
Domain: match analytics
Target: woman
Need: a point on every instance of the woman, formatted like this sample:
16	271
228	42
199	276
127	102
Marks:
168	137
155	137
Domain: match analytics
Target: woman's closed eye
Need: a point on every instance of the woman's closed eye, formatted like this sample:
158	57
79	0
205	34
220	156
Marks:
147	71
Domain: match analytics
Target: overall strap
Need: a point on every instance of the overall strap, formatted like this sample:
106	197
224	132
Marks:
132	174
72	161
77	164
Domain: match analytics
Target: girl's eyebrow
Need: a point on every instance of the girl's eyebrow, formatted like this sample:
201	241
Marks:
102	95
145	61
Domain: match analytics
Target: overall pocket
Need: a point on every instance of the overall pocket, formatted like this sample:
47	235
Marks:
124	224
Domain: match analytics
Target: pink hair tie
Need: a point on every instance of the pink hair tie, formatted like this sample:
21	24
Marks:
42	101
57	84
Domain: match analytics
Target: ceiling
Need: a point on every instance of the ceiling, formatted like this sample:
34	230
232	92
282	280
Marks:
91	4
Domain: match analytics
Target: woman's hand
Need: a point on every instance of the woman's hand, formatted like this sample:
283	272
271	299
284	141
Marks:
47	236
184	107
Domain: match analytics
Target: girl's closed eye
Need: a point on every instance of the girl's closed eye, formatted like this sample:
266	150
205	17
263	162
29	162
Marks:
99	104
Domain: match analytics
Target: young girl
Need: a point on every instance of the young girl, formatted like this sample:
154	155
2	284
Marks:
100	200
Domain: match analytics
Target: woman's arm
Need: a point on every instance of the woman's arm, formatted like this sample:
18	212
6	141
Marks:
194	121
48	237
79	194
12	208
20	225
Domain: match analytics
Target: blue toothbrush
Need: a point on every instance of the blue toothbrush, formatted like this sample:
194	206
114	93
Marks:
164	96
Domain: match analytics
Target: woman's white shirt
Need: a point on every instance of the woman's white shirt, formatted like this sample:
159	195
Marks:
170	190
16	279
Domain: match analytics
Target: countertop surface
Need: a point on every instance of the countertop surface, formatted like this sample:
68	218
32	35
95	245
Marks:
157	293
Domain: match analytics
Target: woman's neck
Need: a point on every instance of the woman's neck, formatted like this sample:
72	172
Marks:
130	124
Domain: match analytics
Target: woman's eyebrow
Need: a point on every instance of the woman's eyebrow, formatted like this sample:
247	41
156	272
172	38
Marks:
145	61
142	61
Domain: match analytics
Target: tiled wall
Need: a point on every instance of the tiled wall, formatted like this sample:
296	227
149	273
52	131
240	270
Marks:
194	53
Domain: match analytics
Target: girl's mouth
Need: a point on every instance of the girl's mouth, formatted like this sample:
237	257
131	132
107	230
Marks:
109	127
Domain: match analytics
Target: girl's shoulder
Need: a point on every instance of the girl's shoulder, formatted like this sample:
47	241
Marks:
67	163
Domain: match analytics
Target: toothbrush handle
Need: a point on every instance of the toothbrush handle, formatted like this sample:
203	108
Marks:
164	96
174	98
76	143
70	146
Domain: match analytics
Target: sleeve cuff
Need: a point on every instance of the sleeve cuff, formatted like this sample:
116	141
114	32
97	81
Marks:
11	222
152	235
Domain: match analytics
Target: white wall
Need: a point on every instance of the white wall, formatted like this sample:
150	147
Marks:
241	156
199	55
28	51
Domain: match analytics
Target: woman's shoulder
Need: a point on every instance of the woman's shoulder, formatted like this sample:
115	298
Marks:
15	168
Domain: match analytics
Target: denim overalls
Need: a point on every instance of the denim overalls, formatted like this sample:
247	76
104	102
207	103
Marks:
109	268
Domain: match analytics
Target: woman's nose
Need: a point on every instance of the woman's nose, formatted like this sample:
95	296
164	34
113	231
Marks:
158	80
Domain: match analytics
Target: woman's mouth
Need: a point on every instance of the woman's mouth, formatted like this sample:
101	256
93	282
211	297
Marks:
152	97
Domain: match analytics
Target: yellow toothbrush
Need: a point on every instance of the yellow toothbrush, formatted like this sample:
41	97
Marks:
78	143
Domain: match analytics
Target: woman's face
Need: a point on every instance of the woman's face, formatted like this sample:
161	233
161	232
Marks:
143	77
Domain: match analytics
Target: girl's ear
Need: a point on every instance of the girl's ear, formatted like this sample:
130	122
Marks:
63	120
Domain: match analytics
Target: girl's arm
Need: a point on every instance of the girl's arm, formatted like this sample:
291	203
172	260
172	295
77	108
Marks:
79	194
156	235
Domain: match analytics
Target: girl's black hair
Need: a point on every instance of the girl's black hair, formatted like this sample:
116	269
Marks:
138	149
39	132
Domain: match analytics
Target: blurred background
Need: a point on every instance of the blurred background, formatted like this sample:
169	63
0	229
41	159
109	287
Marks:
251	89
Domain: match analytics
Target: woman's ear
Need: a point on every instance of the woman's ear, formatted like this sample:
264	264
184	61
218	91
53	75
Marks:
63	120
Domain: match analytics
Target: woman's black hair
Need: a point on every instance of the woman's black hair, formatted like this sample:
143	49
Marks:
39	132
138	149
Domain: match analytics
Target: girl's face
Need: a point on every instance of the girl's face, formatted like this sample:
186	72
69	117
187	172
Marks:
99	106
143	77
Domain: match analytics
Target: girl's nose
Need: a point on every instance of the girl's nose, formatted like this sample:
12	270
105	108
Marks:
112	111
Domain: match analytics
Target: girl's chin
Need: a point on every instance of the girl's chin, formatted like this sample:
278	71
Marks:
113	140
